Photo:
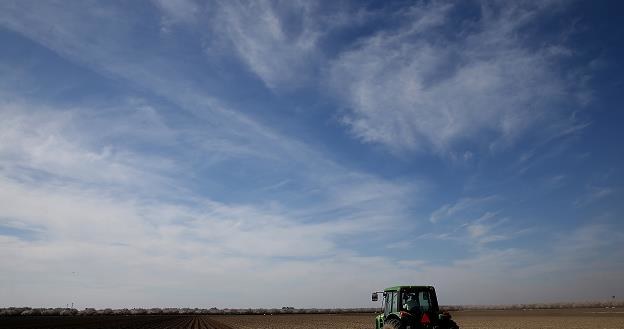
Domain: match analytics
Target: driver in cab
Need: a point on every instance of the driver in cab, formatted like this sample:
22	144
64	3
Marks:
411	304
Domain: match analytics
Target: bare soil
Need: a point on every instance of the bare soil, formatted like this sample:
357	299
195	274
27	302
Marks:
299	321
110	322
515	319
542	319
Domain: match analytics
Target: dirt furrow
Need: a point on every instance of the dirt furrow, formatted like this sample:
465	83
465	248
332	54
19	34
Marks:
210	323
204	323
195	323
181	322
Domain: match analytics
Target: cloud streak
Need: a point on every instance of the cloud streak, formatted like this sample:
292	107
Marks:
417	88
278	54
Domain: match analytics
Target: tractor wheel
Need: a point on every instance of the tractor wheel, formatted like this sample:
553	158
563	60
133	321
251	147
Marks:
392	324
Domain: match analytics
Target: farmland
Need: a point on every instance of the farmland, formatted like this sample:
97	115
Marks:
530	319
114	321
513	319
539	319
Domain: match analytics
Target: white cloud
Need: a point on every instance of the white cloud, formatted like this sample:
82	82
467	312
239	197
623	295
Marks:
260	34
231	134
46	143
177	12
201	250
106	208
487	228
127	241
70	213
418	88
452	209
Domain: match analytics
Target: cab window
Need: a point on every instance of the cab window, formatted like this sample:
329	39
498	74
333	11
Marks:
416	301
424	300
394	302
391	302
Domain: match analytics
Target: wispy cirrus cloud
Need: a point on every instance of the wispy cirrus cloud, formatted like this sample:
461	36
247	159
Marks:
52	144
450	210
178	12
418	88
279	50
127	209
471	223
576	253
282	43
114	213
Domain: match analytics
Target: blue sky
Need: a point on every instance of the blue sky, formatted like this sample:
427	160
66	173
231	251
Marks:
234	154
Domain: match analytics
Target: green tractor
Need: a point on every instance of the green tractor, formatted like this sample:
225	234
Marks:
411	307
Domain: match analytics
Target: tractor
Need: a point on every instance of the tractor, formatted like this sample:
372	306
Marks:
411	307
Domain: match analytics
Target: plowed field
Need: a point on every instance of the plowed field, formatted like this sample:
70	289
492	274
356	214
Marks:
531	319
113	322
300	321
541	319
516	319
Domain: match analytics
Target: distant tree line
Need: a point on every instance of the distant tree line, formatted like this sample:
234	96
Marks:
14	311
28	311
535	306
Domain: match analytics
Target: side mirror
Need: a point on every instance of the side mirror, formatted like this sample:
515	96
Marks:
375	298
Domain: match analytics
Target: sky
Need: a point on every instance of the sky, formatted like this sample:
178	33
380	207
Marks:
183	153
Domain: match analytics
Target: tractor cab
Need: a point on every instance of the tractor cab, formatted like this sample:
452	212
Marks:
411	307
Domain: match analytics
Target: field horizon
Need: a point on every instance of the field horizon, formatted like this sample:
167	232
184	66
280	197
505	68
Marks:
70	311
466	319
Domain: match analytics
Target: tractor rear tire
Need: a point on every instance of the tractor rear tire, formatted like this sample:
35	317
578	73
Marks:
392	324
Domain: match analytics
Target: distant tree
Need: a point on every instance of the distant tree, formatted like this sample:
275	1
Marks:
68	312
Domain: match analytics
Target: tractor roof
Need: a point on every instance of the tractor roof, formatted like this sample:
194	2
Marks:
397	288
